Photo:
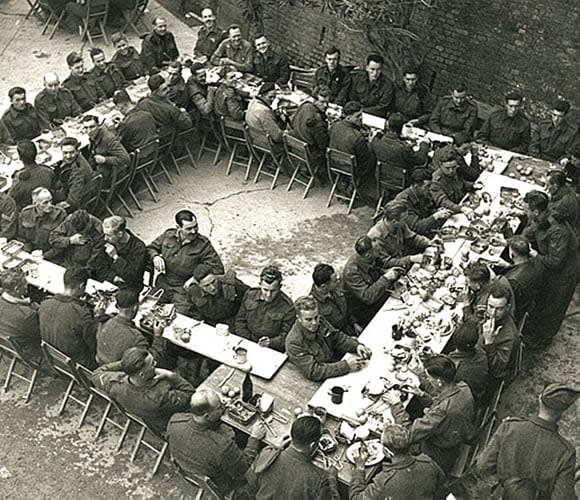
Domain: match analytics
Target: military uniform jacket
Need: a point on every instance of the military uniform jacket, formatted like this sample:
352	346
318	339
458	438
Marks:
34	229
258	318
228	103
502	131
208	41
552	143
129	64
530	460
51	107
526	280
310	125
414	105
8	217
262	121
23	125
272	66
339	81
19	321
137	129
109	79
242	55
334	309
420	209
86	91
167	116
178	92
456	121
72	180
158	51
317	355
349	138
5	137
27	180
376	97
106	144
406	478
448	190
472	368
501	352
564	203
395	153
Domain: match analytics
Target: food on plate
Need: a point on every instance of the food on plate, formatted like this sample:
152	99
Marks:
374	449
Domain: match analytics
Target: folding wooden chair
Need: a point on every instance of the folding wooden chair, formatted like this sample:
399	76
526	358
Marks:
165	147
37	6
268	164
135	16
341	167
118	186
142	441
91	200
206	488
389	180
146	158
299	158
18	360
235	142
94	22
302	78
64	366
210	132
184	140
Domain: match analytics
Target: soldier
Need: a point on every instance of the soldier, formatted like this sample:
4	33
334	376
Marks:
563	199
234	51
105	74
209	37
126	58
412	99
554	138
334	76
158	48
227	102
269	64
372	88
447	188
21	119
455	115
8	216
266	314
177	91
86	91
527	457
55	103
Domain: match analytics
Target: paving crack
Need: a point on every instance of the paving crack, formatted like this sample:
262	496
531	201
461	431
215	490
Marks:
231	195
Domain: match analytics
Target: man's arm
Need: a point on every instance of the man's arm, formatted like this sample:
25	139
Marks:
131	270
424	427
154	248
563	487
310	367
210	257
235	461
241	323
219	53
414	158
288	320
284	70
435	119
271	126
234	107
441	199
205	105
342	95
76	189
524	144
58	237
485	131
178	396
116	155
535	140
499	353
369	294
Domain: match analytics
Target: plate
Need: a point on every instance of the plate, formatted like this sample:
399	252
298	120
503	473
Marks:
375	448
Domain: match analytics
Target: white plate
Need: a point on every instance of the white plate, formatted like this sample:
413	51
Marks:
376	454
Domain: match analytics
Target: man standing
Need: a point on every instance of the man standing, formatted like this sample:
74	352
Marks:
455	115
86	91
315	347
266	314
289	473
334	76
372	88
137	128
507	128
553	138
21	119
412	99
201	444
31	176
209	37
234	51
158	48
366	286
527	457
55	103
269	64
105	74
178	251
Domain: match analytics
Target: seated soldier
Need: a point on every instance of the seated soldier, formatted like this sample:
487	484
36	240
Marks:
37	221
105	74
412	99
262	120
202	445
366	286
315	347
334	76
178	251
372	88
158	48
19	318
466	172
554	138
21	119
55	103
209	37
507	128
177	91
154	394
234	51
269	64
8	217
86	91
405	476
211	298
563	200
76	238
266	314
395	244
200	96
126	58
479	281
455	115
227	102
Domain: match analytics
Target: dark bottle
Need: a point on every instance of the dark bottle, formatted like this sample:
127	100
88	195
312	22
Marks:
247	388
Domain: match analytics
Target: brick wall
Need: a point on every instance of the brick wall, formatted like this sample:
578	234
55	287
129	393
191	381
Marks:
493	45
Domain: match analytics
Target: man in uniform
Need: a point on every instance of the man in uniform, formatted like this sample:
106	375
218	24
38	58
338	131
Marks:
334	76
262	121
447	188
55	103
21	119
105	74
209	37
266	314
289	472
455	115
234	51
5	137
372	88
315	347
178	251
366	286
158	48
200	94
126	58
227	102
563	199
177	91
8	216
507	128
30	176
85	90
412	99
528	457
554	137
269	64
36	222
404	476
154	394
201	444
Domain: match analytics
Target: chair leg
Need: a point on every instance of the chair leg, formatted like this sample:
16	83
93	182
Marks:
123	435
134	198
66	396
294	174
54	28
85	411
46	23
103	421
9	375
332	191
217	153
159	459
201	146
379	204
259	171
124	203
138	443
190	155
31	385
351	203
275	180
307	190
165	171
231	160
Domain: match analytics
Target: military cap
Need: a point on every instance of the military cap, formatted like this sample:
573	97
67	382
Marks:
559	396
155	81
351	107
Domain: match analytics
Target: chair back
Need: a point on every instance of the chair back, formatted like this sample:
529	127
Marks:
92	195
166	143
208	488
11	347
250	142
302	78
232	131
85	377
340	162
297	152
389	178
146	156
59	361
97	10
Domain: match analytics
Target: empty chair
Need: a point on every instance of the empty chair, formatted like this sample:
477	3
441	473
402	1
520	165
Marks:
235	142
302	78
299	158
135	16
52	16
390	180
341	167
145	432
94	20
19	366
268	164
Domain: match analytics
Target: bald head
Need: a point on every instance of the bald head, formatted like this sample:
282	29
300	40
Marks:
51	82
206	405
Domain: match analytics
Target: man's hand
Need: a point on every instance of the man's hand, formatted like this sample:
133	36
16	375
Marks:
488	331
363	351
100	308
158	327
355	364
442	213
416	259
361	457
159	264
100	159
391	274
533	252
468	212
111	251
258	431
189	282
78	239
162	373
265	342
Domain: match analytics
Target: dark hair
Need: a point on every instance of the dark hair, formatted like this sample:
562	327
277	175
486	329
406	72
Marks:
271	274
478	272
16	91
12	278
73	58
121	96
411	70
445	154
332	50
513	96
321	91
89	118
419	175
557	177
375	58
499	290
537	200
351	107
561	105
126	297
69	141
395	122
26	151
393	210
202	271
95	51
459	87
441	367
322	274
233	27
133	360
176	64
155	81
75	277
467	334
260	35
184	215
306	430
79	219
396	438
363	245
519	245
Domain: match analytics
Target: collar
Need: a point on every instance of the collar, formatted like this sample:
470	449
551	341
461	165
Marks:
13	112
552	426
311	336
52	215
11	299
318	295
401	461
297	454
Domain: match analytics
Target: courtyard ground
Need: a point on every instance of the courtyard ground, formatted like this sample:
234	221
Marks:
43	456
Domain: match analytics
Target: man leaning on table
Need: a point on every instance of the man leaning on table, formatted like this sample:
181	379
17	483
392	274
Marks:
315	347
21	119
86	91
